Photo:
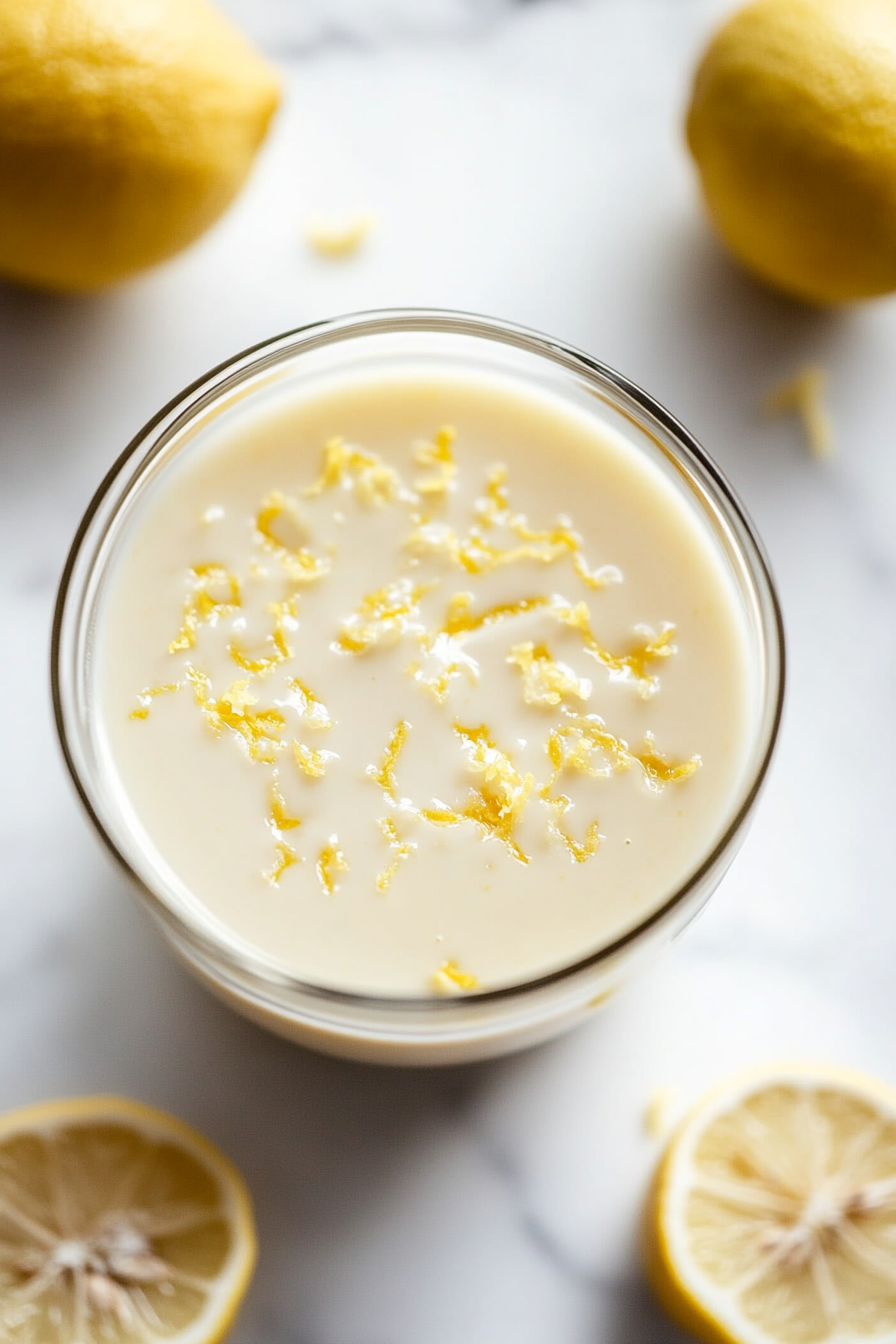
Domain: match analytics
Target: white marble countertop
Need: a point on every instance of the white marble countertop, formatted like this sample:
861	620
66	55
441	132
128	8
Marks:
525	160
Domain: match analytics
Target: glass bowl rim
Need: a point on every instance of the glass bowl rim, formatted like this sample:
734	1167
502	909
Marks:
287	346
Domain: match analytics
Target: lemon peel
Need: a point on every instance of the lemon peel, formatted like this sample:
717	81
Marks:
496	805
546	681
580	851
343	464
148	694
450	979
330	863
401	849
311	710
277	518
382	617
202	605
804	394
384	773
338	239
437	455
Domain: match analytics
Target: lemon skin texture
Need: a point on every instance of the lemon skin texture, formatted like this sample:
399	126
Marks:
126	128
792	124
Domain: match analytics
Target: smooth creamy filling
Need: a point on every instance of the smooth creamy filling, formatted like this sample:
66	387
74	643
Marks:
412	724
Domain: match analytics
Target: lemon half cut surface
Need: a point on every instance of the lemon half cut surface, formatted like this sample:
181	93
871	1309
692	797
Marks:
773	1216
117	1223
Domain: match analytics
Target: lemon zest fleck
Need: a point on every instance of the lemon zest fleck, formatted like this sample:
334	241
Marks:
263	664
804	394
148	694
450	979
258	732
382	617
384	773
402	849
285	618
201	605
545	680
580	851
286	857
280	819
449	659
367	474
493	507
497	804
631	666
300	564
339	239
331	862
459	621
573	744
311	710
439	457
311	761
474	553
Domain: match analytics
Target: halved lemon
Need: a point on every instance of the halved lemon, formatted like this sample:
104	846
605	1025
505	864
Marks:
118	1223
773	1216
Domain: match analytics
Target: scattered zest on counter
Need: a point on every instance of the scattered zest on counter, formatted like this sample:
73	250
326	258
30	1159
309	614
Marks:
804	394
338	239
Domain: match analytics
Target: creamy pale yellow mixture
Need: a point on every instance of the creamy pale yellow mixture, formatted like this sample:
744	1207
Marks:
422	684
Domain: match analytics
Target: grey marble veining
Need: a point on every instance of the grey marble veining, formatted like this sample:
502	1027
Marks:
524	160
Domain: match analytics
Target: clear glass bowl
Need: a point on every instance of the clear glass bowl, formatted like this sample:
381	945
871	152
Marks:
404	1031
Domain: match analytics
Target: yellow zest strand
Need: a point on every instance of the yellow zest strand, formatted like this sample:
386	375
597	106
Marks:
373	482
804	394
203	605
472	552
339	240
279	528
402	849
331	862
497	804
146	697
579	851
258	732
263	664
657	770
545	681
311	762
382	617
443	653
438	456
573	744
384	773
312	711
285	619
450	979
493	507
280	819
459	621
443	648
286	857
631	666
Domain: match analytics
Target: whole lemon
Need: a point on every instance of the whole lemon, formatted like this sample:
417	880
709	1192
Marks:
126	127
792	124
